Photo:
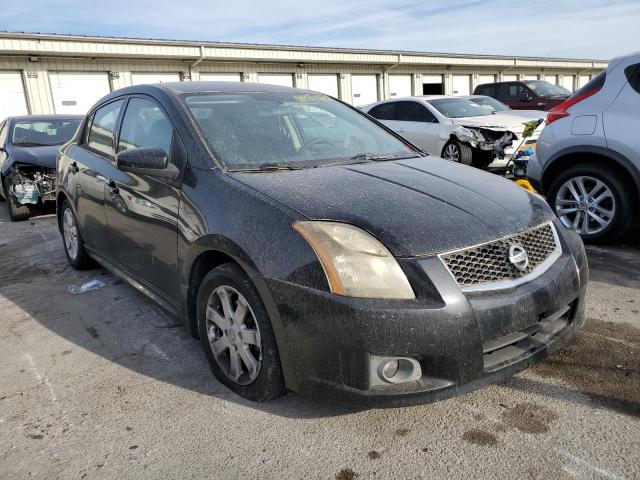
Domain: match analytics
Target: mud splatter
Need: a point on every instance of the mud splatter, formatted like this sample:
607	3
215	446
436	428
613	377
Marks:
402	432
374	455
346	474
529	417
603	363
480	437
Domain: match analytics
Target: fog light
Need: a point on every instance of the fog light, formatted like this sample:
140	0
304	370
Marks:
390	368
385	370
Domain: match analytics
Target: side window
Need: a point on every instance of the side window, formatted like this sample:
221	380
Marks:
513	92
145	125
490	90
384	111
101	132
413	112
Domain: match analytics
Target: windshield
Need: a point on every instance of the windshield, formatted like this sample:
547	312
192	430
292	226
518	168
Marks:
279	129
41	133
546	89
490	104
458	107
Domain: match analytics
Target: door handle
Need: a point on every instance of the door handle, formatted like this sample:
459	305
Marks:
113	188
73	168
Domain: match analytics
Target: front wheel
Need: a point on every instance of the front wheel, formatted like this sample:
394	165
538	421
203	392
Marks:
593	201
237	336
456	151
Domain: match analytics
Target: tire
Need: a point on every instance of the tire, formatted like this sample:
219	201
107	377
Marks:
77	257
17	212
265	382
482	159
457	151
618	201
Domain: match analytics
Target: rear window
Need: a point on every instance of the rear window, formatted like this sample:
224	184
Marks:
595	83
490	89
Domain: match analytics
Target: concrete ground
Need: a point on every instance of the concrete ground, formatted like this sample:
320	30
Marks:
106	385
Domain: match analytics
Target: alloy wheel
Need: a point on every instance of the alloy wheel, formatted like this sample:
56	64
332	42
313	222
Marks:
70	230
234	335
452	153
585	204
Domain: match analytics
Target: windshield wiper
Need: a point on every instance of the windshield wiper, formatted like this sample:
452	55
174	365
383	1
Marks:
268	167
31	144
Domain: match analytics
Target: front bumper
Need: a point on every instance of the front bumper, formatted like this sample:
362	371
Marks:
461	341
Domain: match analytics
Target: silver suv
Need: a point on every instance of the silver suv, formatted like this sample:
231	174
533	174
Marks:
587	158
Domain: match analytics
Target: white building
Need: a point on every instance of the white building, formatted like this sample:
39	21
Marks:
66	74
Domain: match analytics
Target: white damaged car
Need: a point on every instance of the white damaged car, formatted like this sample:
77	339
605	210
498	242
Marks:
453	128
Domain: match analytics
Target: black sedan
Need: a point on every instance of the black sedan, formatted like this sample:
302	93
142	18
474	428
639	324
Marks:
28	149
312	249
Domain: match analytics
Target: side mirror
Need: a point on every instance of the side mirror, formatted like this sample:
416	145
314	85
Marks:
147	161
526	97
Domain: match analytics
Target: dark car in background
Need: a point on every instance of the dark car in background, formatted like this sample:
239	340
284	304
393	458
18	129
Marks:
525	95
312	249
28	150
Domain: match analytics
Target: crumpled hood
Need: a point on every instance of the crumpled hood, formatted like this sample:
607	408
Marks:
495	121
415	207
41	156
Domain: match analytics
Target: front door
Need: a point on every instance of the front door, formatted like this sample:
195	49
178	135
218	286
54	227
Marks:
92	161
142	210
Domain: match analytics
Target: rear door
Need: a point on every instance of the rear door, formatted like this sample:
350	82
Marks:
418	125
90	164
142	210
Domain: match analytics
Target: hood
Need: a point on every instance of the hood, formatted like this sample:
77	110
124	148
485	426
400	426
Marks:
494	121
40	156
415	207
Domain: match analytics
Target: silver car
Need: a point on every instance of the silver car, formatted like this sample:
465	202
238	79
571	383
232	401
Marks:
587	159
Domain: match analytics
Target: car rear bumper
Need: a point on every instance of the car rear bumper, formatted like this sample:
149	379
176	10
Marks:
462	342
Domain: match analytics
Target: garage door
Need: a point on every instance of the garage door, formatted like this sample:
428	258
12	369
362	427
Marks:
567	82
486	79
364	89
509	78
76	92
461	85
282	79
140	78
324	83
528	77
400	86
12	100
552	79
432	85
220	77
583	80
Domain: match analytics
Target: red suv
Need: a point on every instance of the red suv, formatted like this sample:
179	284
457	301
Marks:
525	95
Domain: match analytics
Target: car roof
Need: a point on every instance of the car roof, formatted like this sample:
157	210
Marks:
202	87
60	116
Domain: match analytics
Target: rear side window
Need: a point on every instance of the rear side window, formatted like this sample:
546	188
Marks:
491	90
101	133
384	111
633	75
595	83
413	112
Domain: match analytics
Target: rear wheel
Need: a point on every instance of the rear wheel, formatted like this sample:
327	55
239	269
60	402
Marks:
17	212
456	151
237	336
73	243
593	201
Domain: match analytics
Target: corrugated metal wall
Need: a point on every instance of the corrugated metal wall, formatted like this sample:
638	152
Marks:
119	58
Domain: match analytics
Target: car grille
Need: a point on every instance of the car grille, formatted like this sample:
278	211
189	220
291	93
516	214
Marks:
487	266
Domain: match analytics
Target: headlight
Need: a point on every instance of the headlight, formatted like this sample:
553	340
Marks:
355	263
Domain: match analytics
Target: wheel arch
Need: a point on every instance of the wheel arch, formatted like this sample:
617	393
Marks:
628	172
